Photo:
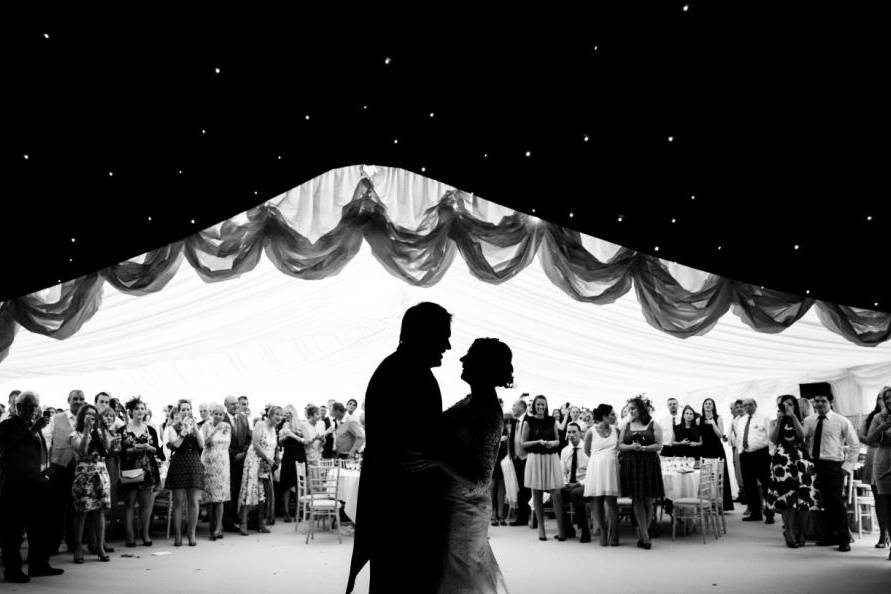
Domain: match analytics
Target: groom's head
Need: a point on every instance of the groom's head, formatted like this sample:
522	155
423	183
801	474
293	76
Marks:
426	329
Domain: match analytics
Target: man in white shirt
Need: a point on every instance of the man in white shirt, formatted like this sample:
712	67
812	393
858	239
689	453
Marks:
832	442
60	514
736	411
751	432
668	423
575	465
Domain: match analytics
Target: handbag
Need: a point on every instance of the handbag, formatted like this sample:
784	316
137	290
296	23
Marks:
134	475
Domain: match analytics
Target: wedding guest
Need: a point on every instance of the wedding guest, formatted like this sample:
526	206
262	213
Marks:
754	458
736	411
687	436
518	456
215	458
668	423
575	416
499	491
542	471
238	448
185	476
61	474
140	449
349	436
328	452
602	477
561	416
3	415
880	433
244	406
574	463
834	447
314	434
290	438
791	488
351	405
640	472
259	464
24	491
91	487
867	471
712	444
112	459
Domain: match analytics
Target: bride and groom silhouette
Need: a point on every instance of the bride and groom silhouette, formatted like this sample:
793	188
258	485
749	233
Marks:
431	472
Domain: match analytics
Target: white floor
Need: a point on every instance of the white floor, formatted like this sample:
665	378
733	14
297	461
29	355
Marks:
750	558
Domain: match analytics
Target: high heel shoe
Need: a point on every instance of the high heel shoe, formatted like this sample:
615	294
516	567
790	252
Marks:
263	530
192	542
243	530
103	557
560	538
79	558
219	535
146	543
502	522
178	542
883	542
644	545
213	537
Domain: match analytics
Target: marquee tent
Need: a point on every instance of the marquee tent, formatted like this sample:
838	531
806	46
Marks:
346	253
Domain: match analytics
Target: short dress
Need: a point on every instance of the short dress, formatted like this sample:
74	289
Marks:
91	488
791	484
881	461
292	454
640	473
132	459
255	468
602	476
186	470
215	458
543	471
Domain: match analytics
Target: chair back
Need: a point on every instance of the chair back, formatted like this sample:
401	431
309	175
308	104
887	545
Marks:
322	481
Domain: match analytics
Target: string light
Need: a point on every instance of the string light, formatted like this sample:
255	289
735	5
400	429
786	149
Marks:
693	197
387	60
671	139
657	248
364	107
279	157
431	114
423	169
571	215
796	246
306	117
868	217
686	7
193	221
46	35
26	156
807	292
150	219
719	248
217	70
255	192
674	220
528	153
485	155
533	211
595	48
111	174
586	138
621	218
395	141
70	260
73	240
179	171
203	131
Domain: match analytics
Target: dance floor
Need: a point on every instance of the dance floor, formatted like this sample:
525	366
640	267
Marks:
750	558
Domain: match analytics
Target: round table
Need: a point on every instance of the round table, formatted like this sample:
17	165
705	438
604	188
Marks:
680	484
348	491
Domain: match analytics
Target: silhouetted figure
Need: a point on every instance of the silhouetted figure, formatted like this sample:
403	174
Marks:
398	486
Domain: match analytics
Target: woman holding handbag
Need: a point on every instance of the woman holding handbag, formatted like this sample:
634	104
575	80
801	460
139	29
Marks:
140	449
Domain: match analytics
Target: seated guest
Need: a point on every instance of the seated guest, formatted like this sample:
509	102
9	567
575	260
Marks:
259	464
687	436
215	457
349	436
834	447
602	477
24	491
91	488
868	475
574	461
140	449
791	488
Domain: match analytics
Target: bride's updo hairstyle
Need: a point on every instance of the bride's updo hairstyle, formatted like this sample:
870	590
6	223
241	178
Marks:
601	412
495	357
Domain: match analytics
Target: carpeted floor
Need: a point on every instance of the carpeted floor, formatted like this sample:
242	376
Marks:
750	558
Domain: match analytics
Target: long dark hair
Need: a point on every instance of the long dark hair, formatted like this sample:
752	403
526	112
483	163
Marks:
880	398
82	413
643	409
534	400
695	420
715	414
785	397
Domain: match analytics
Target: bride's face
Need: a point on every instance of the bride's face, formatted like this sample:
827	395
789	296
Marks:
470	369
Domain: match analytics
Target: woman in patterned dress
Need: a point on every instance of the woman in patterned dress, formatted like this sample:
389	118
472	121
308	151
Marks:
791	487
543	471
640	471
215	457
472	431
259	463
140	448
185	477
91	488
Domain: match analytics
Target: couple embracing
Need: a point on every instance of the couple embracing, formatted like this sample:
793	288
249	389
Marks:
424	502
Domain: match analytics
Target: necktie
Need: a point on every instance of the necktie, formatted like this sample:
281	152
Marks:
518	436
746	434
575	464
818	437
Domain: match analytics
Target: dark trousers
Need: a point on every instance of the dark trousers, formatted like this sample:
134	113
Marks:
575	493
755	468
830	482
230	508
524	493
24	509
60	511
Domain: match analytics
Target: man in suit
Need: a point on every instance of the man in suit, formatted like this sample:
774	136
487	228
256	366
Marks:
24	491
238	447
328	445
404	464
518	457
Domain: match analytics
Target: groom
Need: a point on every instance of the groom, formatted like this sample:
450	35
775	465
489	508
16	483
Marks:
394	500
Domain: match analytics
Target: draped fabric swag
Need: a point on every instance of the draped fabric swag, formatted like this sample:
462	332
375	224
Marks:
414	227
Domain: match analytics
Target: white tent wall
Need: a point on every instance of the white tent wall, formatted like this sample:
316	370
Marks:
284	340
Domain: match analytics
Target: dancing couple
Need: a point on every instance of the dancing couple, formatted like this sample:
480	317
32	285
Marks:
423	510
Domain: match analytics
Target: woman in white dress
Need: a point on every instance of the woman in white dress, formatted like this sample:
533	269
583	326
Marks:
602	478
314	434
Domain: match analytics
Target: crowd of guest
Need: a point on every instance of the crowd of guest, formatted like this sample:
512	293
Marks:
793	464
64	474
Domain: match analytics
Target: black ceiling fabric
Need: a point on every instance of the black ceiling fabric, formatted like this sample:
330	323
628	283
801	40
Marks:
737	139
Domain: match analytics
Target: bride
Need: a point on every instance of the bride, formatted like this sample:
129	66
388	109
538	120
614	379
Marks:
472	429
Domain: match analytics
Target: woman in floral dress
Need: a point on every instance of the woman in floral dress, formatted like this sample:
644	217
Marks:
140	449
215	457
259	463
91	488
791	487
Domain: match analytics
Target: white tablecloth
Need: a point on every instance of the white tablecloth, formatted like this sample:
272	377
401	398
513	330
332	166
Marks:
348	491
681	484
